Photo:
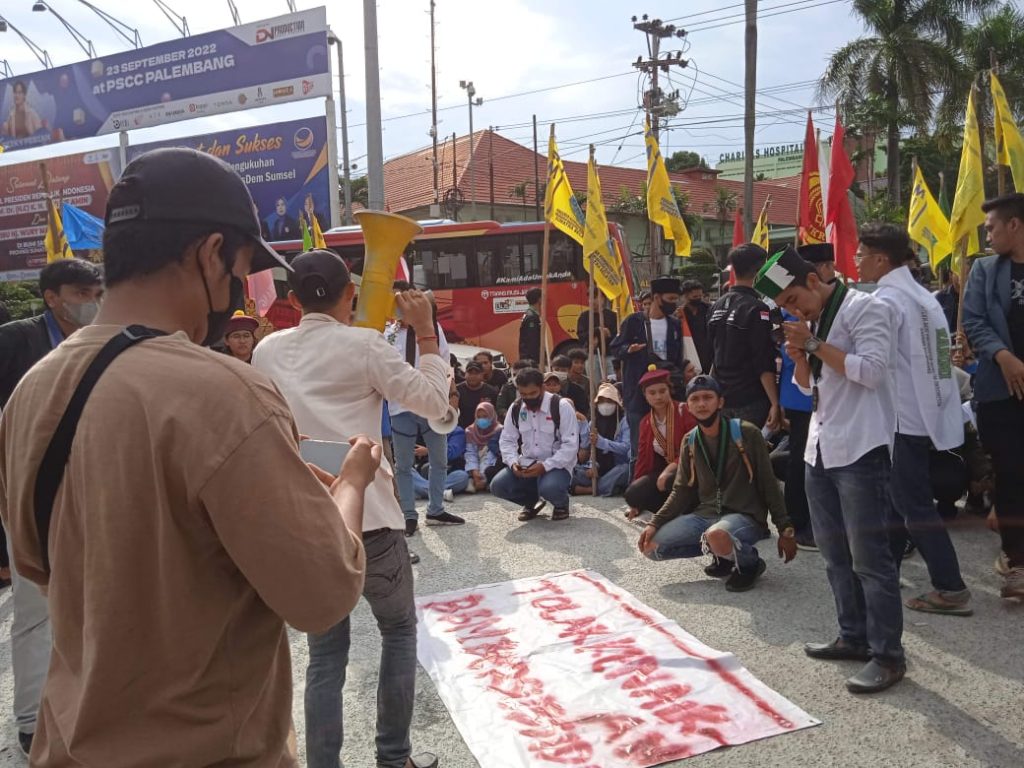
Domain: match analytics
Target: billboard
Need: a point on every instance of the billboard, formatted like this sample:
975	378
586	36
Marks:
252	65
84	180
284	165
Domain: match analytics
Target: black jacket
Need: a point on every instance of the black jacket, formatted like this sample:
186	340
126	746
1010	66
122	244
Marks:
583	324
529	337
23	343
634	364
741	334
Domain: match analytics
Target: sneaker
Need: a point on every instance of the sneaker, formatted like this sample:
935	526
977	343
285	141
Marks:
471	488
1002	564
444	519
413	558
410	527
448	495
741	581
25	742
1013	586
528	513
719	568
805	541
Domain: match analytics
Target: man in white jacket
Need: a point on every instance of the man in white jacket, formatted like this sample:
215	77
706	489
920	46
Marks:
928	413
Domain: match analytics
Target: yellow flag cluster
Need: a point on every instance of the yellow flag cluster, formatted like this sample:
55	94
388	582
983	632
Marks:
1009	145
55	241
561	208
928	224
599	252
967	215
761	231
662	208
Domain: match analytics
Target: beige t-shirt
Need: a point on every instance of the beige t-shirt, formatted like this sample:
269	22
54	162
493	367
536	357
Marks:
186	532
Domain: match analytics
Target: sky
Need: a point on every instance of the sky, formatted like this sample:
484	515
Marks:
565	61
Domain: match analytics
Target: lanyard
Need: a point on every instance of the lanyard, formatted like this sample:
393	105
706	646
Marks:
719	468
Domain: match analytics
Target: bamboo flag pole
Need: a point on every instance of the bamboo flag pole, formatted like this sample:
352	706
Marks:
545	259
593	391
1000	168
50	222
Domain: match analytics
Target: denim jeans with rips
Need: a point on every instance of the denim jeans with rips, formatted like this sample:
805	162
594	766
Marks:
683	536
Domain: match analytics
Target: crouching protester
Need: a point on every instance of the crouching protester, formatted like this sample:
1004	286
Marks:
538	445
723	493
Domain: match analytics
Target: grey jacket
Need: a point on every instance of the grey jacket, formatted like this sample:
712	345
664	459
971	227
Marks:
986	307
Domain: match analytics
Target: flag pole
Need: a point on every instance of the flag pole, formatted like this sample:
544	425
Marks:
590	345
962	247
545	259
1000	168
50	222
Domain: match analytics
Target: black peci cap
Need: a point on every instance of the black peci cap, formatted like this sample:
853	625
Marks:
318	276
179	184
817	253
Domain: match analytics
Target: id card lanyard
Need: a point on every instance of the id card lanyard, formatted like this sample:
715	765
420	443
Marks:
719	468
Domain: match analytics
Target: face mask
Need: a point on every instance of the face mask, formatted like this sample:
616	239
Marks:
533	403
81	314
483	423
217	319
668	308
709	421
606	409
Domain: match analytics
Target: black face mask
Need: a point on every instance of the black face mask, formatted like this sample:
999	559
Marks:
709	421
668	308
533	403
217	319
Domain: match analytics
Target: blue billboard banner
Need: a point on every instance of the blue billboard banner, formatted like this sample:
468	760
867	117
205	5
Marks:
251	65
284	165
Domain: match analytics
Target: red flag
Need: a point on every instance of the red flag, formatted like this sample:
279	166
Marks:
737	231
843	234
262	291
811	214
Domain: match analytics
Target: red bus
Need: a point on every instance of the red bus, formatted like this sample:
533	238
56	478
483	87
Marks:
480	272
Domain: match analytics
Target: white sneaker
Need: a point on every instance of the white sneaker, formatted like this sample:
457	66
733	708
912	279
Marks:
471	488
448	495
1002	564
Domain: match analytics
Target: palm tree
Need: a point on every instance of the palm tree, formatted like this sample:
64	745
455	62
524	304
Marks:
908	58
723	206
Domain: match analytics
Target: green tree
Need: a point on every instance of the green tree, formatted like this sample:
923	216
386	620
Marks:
909	55
361	191
684	159
722	209
21	299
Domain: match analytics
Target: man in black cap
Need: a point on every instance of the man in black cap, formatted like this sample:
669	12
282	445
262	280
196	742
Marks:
179	495
645	338
333	401
741	333
822	256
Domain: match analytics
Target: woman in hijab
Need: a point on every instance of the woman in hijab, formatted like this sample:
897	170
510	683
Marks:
483	456
610	443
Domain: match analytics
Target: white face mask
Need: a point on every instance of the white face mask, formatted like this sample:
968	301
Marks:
81	314
607	409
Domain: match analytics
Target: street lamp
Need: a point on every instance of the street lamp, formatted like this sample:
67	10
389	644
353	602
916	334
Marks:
83	42
128	33
470	93
42	55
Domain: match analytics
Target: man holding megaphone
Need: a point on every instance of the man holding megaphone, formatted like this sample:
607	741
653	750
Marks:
335	378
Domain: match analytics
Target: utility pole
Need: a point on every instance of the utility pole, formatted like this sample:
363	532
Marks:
656	103
346	171
374	138
536	171
433	112
749	94
470	93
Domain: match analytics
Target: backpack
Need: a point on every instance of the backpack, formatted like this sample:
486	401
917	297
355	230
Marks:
556	416
735	434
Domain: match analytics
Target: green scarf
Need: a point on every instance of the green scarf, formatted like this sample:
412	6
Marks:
824	324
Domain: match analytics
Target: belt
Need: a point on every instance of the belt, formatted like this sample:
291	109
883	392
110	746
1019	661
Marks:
376	532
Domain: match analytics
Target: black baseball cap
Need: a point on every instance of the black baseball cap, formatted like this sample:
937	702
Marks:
703	383
318	276
180	184
473	365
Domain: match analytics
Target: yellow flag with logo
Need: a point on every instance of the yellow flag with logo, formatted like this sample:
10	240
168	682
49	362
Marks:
561	209
55	241
662	208
1009	144
967	215
318	235
927	224
599	255
761	230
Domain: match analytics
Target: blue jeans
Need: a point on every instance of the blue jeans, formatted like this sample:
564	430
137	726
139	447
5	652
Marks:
406	427
389	591
850	518
683	536
633	419
456	481
910	488
552	486
615	479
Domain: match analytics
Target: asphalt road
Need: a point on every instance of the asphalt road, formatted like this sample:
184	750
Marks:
962	703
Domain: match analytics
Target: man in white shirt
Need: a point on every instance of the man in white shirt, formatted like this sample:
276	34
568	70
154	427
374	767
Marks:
539	449
334	378
928	413
847	367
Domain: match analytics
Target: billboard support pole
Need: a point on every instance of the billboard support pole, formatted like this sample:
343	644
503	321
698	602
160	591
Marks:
123	149
332	146
374	139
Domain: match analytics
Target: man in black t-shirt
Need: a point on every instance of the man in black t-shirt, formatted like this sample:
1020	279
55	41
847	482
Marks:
492	376
472	392
744	352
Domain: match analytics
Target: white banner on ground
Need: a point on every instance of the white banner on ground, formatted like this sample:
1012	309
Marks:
569	670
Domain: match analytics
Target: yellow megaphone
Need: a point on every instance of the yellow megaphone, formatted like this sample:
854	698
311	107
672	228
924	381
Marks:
385	237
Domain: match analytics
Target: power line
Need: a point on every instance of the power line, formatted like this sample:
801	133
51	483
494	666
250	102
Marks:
765	15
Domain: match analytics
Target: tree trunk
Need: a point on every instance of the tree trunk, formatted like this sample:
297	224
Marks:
750	91
893	145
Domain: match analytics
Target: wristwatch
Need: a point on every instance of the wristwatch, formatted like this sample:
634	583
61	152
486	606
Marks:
812	344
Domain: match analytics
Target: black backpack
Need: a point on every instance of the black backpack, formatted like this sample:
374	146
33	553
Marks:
556	415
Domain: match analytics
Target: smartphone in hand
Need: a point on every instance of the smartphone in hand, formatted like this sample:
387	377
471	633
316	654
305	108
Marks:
327	455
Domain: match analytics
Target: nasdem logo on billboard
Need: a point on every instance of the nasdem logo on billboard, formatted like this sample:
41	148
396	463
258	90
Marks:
303	139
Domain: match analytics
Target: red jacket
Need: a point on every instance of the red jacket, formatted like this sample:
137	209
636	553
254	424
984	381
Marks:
647	461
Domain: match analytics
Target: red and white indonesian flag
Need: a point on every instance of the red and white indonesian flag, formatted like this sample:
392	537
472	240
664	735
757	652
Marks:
569	670
262	291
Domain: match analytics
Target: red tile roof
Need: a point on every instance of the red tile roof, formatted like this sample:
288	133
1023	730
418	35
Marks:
408	179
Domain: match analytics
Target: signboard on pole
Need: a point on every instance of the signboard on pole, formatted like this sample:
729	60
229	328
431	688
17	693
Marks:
284	165
84	180
251	65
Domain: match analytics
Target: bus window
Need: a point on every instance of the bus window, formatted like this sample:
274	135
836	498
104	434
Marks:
533	244
447	263
490	263
510	259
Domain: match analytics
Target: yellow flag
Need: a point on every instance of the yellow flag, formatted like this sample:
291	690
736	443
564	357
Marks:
56	243
661	203
761	230
1009	144
967	215
927	223
318	235
561	209
598	252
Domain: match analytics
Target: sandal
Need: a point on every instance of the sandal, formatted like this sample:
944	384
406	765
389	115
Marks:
931	603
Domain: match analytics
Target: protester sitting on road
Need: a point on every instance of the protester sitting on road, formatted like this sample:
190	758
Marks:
457	479
538	445
457	372
562	364
578	369
492	376
608	454
723	493
661	432
483	449
240	337
509	393
473	391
